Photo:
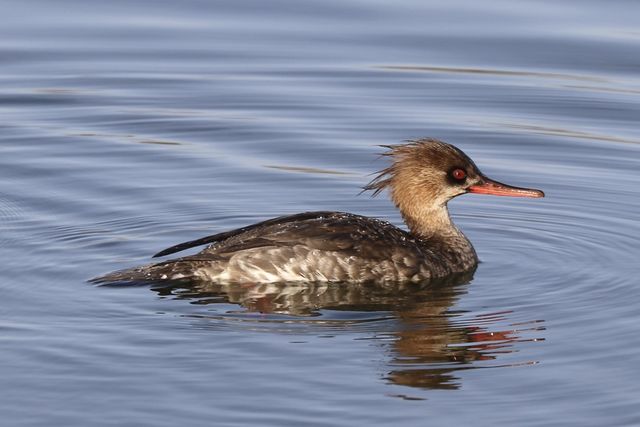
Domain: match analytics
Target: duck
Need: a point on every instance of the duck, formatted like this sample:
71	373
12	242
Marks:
315	247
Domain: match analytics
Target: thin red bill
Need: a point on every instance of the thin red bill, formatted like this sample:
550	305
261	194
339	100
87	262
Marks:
498	189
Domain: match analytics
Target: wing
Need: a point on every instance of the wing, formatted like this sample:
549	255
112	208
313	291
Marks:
250	230
335	247
310	246
344	233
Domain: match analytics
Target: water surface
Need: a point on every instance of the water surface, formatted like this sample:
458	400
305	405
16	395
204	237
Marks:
130	126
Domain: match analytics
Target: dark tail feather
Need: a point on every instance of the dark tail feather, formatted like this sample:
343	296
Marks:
142	275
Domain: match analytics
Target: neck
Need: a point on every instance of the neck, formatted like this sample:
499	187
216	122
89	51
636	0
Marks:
426	223
434	227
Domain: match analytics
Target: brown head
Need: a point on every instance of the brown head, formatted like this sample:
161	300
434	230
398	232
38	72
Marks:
425	174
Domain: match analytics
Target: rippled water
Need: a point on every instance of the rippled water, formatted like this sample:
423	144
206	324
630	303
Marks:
130	126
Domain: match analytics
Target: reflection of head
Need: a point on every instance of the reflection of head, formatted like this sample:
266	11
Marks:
431	348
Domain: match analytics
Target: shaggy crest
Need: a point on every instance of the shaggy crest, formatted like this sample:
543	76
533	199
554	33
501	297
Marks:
413	154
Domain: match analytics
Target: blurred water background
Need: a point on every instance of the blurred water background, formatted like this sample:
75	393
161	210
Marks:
129	126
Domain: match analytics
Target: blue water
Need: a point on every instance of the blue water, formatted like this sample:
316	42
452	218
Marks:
130	126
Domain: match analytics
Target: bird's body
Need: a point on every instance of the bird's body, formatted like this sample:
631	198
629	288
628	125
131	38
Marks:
316	247
343	247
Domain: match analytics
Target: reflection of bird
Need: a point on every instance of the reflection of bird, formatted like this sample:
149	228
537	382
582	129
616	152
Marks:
307	299
341	247
428	342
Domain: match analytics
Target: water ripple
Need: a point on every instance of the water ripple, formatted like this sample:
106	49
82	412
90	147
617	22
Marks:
493	72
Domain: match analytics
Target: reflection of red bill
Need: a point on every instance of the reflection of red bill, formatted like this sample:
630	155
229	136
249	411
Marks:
490	336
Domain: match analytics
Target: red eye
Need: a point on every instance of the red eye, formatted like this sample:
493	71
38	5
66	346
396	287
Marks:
459	174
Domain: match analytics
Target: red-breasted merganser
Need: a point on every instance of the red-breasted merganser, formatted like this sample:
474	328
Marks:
342	247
